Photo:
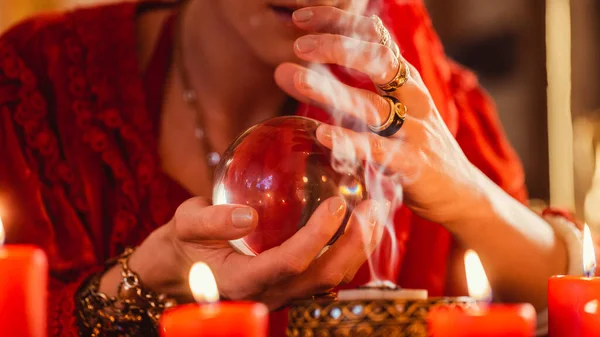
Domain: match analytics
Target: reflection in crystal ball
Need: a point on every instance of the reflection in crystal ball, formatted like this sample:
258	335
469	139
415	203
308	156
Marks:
282	171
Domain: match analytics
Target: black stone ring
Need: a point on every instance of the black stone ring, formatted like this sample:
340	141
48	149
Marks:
395	119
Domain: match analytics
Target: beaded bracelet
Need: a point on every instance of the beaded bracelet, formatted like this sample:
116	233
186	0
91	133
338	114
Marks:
135	311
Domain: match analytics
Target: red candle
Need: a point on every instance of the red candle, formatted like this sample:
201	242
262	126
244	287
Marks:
23	282
591	318
235	319
483	320
209	318
494	320
573	300
568	298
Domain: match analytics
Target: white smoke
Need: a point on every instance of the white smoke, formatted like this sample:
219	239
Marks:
382	186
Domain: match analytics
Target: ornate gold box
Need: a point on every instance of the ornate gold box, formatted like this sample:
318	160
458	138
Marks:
365	318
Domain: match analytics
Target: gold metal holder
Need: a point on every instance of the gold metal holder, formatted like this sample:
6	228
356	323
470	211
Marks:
366	318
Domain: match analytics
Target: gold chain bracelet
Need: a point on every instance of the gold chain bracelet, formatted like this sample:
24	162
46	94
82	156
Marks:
135	311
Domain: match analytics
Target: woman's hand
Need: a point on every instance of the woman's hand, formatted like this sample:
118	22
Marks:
439	182
423	157
199	232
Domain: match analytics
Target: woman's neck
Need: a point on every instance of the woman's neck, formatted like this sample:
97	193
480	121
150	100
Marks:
226	75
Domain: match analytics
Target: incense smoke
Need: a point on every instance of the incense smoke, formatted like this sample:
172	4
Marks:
380	184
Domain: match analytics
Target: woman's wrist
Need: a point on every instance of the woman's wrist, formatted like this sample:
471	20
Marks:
569	233
157	265
477	202
109	281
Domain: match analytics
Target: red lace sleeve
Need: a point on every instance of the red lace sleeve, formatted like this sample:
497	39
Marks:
36	185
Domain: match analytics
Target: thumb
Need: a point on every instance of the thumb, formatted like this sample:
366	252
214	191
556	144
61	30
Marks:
195	221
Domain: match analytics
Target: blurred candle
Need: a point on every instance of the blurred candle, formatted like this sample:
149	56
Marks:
573	300
23	282
481	320
210	318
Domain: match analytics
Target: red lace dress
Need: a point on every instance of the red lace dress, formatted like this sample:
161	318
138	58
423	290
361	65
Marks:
79	168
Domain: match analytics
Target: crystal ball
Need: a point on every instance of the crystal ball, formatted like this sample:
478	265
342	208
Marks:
280	169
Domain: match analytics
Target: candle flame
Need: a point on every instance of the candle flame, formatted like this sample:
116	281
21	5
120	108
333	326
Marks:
2	233
477	281
589	255
203	284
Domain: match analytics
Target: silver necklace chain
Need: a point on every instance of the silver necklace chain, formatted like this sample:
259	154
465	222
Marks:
190	97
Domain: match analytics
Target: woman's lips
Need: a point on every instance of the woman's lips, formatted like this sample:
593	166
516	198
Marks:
283	13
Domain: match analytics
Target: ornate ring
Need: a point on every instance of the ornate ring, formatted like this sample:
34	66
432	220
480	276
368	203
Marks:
394	121
384	34
402	76
385	39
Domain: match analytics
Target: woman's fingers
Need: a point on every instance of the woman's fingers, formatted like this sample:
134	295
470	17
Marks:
362	146
360	43
327	20
376	61
340	263
332	20
395	154
196	221
325	91
295	255
249	276
372	59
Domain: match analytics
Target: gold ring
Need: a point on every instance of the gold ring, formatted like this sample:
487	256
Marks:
402	76
395	119
384	34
